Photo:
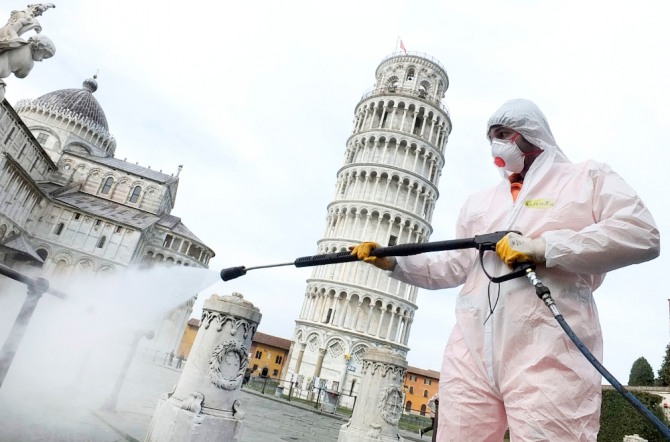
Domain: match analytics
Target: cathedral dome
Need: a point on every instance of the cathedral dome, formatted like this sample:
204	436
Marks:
80	102
76	114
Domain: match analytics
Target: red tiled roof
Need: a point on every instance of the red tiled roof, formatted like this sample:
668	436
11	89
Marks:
423	372
273	341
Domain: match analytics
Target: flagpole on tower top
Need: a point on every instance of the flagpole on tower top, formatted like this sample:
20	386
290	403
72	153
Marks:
398	44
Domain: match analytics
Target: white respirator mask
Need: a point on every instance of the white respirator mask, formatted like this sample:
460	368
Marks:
507	155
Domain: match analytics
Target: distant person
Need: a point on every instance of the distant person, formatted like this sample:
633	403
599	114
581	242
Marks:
170	358
432	406
247	377
180	358
507	362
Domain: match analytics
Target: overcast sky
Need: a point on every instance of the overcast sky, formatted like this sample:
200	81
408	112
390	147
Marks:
256	100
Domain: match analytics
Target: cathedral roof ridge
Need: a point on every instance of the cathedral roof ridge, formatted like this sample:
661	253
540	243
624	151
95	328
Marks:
104	208
125	166
168	221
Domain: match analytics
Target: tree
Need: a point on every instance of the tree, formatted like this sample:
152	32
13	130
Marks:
641	374
618	417
664	371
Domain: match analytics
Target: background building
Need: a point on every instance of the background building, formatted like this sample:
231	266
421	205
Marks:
386	192
268	355
188	338
68	206
419	386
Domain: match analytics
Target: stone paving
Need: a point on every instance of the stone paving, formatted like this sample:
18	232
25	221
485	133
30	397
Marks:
25	417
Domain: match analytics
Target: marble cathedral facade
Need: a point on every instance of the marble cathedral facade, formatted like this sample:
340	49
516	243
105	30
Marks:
67	205
386	192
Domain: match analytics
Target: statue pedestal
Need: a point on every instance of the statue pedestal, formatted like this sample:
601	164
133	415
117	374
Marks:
171	422
379	404
204	405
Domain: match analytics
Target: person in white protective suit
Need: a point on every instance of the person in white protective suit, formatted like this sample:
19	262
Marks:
508	363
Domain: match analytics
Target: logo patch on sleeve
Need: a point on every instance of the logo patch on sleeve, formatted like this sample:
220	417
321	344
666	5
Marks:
539	203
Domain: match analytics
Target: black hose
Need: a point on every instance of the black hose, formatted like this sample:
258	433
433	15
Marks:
635	402
543	292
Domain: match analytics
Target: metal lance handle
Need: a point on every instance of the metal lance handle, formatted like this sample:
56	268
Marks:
481	242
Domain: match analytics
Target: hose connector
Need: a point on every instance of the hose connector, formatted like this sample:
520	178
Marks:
542	291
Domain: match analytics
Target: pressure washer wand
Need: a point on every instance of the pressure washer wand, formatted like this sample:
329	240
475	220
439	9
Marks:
481	242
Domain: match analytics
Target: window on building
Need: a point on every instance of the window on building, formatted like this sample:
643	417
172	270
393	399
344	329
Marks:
119	229
259	354
136	194
278	360
408	406
255	367
425	393
428	381
330	313
101	241
77	215
275	373
42	138
98	222
59	228
410	74
411	390
412	377
393	240
107	186
423	410
10	135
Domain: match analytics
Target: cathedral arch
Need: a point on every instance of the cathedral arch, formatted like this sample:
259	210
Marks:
314	341
358	351
78	148
336	347
84	265
392	83
299	336
42	253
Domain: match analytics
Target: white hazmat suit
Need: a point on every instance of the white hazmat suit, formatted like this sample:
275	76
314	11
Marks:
507	360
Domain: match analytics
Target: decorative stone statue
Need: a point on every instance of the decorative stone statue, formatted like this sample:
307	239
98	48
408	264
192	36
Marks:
380	401
18	56
205	406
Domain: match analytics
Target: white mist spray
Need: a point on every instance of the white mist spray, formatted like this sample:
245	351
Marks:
73	349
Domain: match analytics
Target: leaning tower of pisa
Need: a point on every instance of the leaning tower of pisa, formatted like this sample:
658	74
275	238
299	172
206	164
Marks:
386	192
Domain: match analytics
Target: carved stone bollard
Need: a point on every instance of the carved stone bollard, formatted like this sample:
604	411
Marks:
634	438
204	405
379	404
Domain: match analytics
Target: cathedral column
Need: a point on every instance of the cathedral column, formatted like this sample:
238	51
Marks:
390	327
382	311
367	326
301	353
319	362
